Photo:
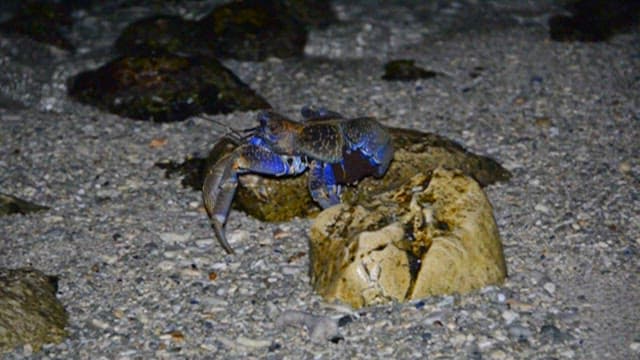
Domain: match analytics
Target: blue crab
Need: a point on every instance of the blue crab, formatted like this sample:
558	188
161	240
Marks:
336	150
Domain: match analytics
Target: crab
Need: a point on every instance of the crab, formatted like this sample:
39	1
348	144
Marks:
337	151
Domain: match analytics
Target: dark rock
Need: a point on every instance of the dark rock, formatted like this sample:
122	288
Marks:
12	205
42	22
550	333
405	70
246	30
30	313
594	20
311	13
164	88
253	30
162	35
345	320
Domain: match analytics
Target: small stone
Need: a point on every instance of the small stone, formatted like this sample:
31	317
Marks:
102	325
238	236
343	321
551	333
519	332
174	238
624	167
27	350
204	243
177	336
485	344
519	306
435	318
543	122
550	288
166	265
498	355
541	208
446	301
170	254
501	298
567	354
635	346
214	301
252	343
457	340
320	328
109	259
290	270
510	316
189	272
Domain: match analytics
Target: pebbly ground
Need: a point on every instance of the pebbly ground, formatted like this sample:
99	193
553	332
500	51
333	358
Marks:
142	276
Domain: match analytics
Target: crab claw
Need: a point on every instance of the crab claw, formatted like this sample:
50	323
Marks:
217	192
221	181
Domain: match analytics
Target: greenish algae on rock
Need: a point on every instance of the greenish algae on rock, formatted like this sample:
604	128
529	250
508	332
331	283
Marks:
405	70
12	205
30	313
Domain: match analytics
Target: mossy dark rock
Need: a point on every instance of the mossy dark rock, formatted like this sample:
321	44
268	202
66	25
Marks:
246	30
311	13
405	70
162	35
42	22
594	20
30	313
280	199
164	88
254	30
12	205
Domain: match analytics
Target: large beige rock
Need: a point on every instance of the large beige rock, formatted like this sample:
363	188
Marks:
433	235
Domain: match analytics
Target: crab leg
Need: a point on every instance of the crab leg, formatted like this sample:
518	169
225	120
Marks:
222	180
322	184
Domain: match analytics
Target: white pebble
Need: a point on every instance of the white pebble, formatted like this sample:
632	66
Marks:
238	236
550	288
568	354
253	343
483	345
204	243
109	259
509	316
27	350
166	265
174	238
99	324
290	270
635	346
541	208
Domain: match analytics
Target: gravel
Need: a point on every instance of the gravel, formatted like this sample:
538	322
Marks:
142	277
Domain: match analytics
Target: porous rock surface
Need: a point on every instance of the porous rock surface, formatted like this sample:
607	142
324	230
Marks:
433	236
